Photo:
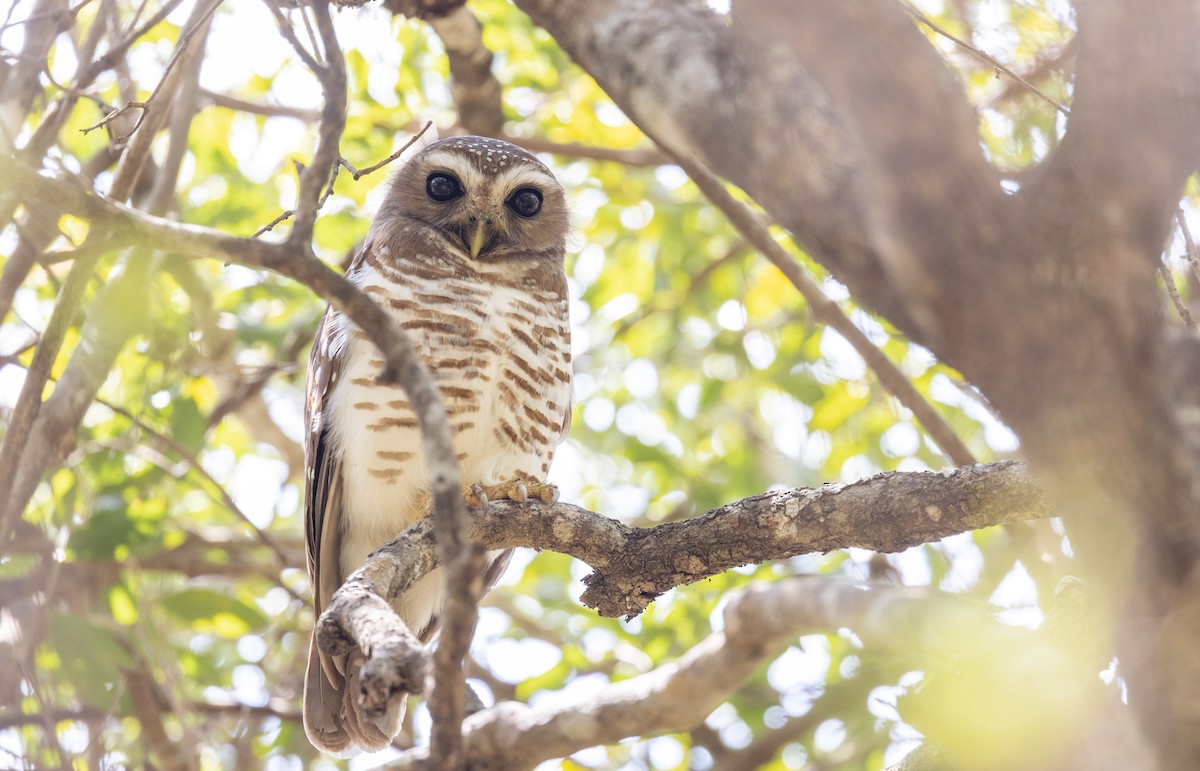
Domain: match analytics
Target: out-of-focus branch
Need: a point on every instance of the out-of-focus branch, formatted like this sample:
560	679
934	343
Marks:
47	19
259	108
677	696
475	90
14	450
331	72
149	705
22	259
114	318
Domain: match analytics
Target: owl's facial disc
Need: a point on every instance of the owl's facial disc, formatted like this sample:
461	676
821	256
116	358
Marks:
490	202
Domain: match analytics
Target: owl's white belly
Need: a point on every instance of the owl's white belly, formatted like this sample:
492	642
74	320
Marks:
384	475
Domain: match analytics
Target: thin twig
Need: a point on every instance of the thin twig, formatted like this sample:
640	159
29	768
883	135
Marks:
983	56
754	230
1046	62
1191	253
356	174
332	77
1173	292
312	38
258	108
289	34
8	22
180	48
72	91
30	398
137	14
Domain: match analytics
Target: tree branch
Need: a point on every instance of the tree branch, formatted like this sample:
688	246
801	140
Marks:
888	512
331	72
677	696
475	90
754	114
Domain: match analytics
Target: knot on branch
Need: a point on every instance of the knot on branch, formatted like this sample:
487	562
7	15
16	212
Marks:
394	668
612	596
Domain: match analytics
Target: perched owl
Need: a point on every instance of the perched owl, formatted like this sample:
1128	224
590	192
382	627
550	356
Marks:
467	254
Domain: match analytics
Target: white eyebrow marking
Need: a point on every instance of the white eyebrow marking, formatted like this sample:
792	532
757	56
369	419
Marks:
466	172
524	175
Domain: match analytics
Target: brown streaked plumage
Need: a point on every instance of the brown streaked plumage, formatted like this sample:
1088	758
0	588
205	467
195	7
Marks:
467	253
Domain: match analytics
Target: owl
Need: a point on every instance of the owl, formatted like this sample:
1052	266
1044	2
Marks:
466	252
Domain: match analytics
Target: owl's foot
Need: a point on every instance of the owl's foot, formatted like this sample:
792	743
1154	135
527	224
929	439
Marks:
520	490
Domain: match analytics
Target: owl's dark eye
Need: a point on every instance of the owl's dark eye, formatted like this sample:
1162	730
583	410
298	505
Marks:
526	202
442	187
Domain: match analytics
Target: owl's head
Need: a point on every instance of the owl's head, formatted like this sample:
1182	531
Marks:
487	201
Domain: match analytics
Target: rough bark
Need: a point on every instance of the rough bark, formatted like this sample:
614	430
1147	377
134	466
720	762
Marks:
886	513
845	125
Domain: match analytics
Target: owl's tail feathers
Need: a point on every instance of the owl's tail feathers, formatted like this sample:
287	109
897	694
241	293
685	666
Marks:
323	720
333	719
371	733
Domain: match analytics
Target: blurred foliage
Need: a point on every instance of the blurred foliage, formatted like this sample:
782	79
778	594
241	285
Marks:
700	379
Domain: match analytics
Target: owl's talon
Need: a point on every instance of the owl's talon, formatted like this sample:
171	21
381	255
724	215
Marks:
544	492
475	496
520	489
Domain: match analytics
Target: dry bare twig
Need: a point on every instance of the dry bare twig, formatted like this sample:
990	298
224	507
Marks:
988	58
180	49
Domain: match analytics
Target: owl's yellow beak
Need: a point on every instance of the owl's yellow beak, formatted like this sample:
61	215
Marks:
479	237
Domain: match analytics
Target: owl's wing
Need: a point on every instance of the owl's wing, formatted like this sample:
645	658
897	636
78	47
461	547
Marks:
332	716
324	685
322	505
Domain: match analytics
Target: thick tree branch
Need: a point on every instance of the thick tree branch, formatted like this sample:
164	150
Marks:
475	90
919	181
851	132
749	111
888	512
633	566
